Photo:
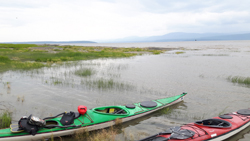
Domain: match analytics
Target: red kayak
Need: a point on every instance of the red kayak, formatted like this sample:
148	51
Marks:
214	129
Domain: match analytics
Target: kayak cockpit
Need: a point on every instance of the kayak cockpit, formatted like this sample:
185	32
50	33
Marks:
214	123
114	110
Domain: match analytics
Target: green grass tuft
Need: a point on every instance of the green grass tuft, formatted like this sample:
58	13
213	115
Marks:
85	72
179	52
5	119
107	84
17	46
239	80
4	59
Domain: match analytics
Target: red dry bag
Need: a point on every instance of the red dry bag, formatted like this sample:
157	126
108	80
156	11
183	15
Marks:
82	109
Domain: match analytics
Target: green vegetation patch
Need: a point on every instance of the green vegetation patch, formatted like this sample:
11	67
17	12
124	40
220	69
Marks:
179	52
4	59
17	46
85	72
7	64
239	80
15	56
215	55
5	119
107	84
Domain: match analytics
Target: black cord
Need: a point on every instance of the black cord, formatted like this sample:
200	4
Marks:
54	116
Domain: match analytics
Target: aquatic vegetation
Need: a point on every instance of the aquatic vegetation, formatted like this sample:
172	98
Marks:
165	110
8	64
215	55
223	111
57	82
239	79
20	98
5	119
179	52
107	84
85	72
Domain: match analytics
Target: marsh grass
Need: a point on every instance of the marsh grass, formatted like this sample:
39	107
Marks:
20	98
179	52
17	46
8	64
223	111
5	119
15	56
239	79
165	110
108	134
107	84
85	72
215	55
57	82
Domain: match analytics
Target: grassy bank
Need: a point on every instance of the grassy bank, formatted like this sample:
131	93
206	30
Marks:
5	119
29	56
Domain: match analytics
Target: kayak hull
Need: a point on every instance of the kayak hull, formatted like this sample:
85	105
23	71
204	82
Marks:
227	126
94	126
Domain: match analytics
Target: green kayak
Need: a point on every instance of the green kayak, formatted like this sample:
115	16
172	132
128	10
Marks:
93	119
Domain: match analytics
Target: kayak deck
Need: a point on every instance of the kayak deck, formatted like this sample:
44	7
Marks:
101	115
214	129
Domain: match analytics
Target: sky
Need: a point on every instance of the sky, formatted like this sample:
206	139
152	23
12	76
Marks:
91	20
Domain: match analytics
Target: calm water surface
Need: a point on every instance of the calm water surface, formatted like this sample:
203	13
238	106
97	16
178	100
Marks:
202	70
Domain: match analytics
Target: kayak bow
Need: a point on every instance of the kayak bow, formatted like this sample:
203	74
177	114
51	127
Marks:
93	119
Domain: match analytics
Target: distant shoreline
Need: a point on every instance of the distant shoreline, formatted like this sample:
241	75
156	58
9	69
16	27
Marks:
172	45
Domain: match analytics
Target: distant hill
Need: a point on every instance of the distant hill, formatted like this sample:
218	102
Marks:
181	36
51	42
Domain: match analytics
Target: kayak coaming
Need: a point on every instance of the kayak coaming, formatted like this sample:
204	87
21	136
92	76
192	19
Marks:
230	133
93	115
238	123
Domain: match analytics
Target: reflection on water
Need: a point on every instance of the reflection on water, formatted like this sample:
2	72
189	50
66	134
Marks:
201	73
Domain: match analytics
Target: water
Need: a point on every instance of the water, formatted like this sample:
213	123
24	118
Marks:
202	71
184	44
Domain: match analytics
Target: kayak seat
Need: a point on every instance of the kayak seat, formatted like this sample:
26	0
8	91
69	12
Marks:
214	123
111	110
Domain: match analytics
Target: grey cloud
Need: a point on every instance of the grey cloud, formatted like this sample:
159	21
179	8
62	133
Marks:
163	6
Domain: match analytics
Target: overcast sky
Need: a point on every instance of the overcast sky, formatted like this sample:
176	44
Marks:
65	20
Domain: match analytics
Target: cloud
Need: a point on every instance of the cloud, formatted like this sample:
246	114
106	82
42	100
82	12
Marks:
60	20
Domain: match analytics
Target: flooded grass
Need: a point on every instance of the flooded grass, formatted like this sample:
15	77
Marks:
85	72
165	110
239	80
223	111
5	119
8	64
106	84
215	55
179	52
